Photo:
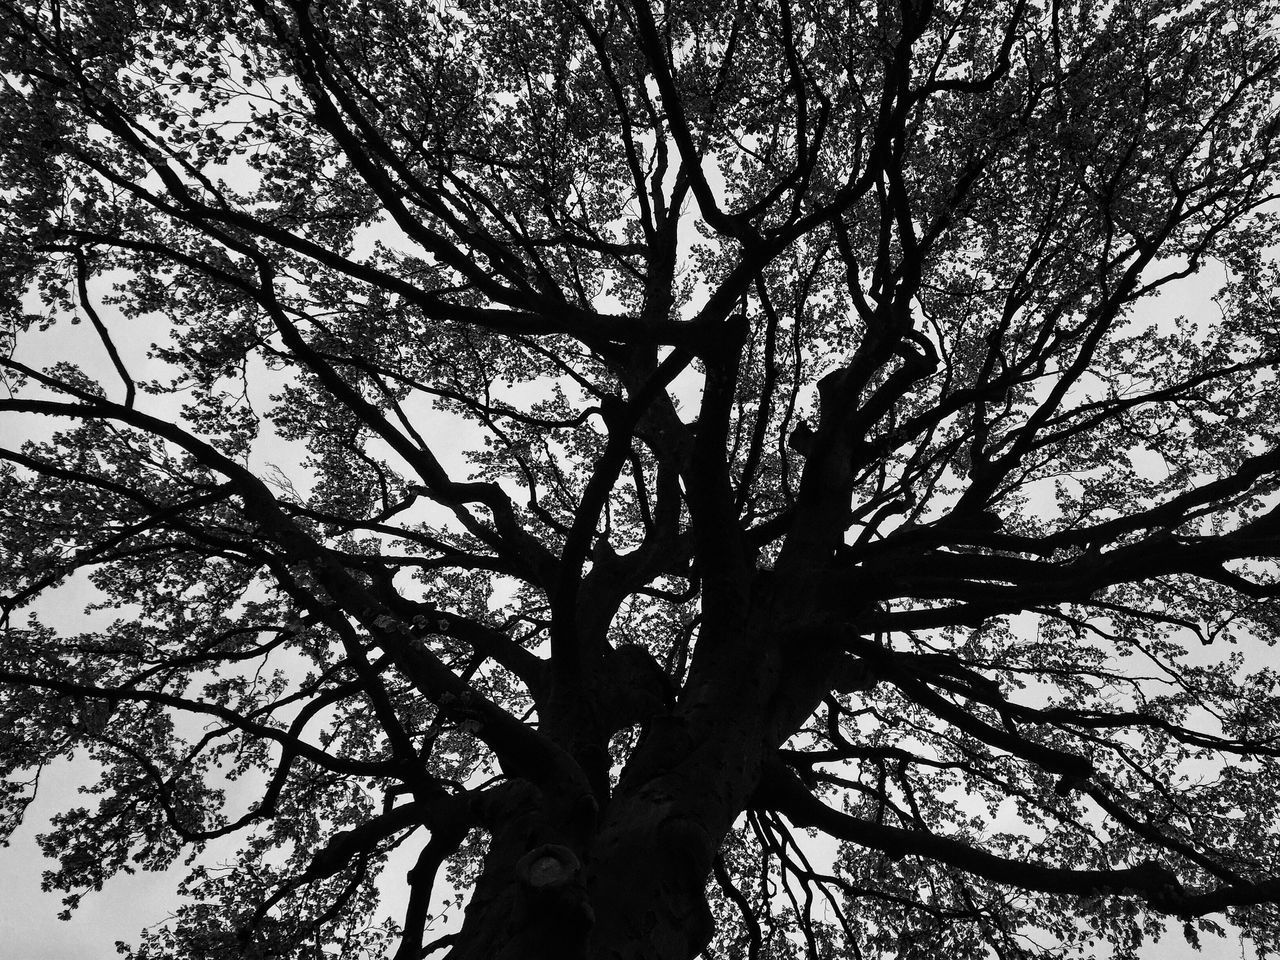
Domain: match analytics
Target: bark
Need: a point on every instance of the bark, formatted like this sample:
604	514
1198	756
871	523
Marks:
622	874
635	889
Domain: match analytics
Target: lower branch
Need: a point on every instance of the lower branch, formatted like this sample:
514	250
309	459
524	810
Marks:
783	791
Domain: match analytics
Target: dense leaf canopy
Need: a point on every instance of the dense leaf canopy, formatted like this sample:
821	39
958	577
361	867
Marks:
749	478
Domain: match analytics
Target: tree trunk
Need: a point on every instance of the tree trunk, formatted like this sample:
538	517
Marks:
629	882
635	890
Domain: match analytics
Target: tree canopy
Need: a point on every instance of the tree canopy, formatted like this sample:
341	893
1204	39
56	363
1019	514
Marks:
733	478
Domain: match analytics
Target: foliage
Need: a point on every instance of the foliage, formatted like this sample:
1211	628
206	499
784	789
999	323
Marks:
722	478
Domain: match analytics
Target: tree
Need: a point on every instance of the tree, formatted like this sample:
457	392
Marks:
834	460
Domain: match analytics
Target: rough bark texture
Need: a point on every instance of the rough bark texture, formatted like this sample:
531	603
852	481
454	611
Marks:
625	878
634	889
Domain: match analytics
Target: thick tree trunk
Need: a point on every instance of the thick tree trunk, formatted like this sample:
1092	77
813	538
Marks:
628	882
647	881
634	891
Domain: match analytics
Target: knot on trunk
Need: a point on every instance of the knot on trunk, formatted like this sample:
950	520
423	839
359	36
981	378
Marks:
551	895
548	867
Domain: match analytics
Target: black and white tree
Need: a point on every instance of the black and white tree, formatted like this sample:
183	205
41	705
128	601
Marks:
861	544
